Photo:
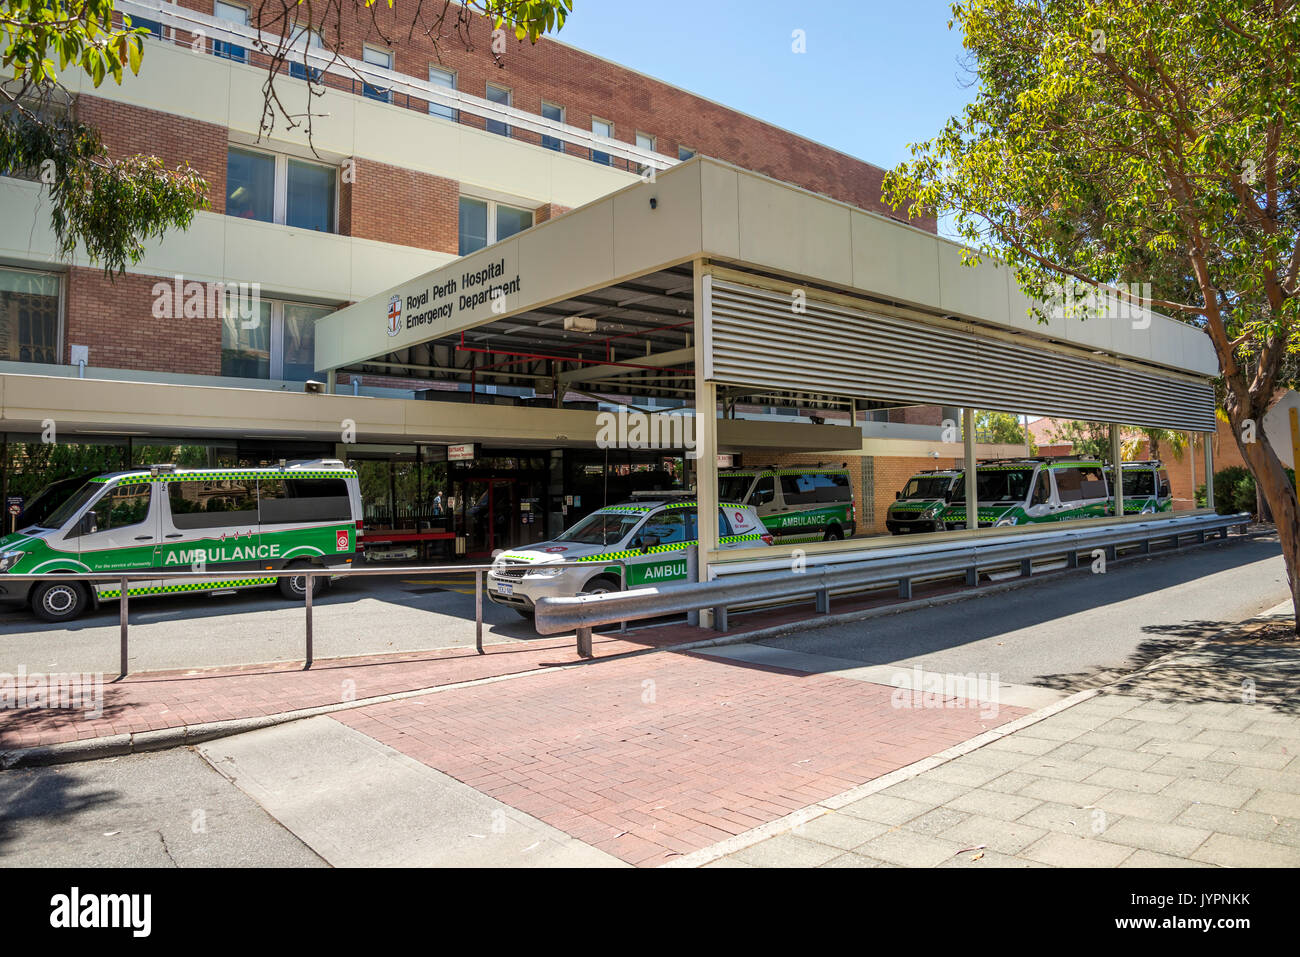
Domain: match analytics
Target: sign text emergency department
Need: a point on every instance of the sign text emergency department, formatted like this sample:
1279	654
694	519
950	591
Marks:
440	302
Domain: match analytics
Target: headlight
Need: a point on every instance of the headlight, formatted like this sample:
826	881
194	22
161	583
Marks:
9	559
544	572
1004	522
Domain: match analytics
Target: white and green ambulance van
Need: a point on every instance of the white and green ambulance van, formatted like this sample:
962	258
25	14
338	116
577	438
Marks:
796	505
919	505
165	520
1030	491
1146	488
650	533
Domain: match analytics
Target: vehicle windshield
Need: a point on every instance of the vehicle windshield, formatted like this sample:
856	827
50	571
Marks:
732	488
1139	482
60	516
602	528
928	486
998	485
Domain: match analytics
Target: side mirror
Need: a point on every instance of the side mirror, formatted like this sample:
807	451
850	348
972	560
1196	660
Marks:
897	496
1164	490
87	525
649	541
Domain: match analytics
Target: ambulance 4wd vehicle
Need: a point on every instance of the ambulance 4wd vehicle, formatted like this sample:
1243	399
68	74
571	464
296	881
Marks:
919	506
1029	491
166	520
650	534
795	504
1146	488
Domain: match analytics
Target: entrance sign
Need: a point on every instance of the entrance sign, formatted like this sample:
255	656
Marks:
460	453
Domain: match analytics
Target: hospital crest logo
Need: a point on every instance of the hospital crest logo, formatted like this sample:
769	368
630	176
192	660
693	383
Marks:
395	315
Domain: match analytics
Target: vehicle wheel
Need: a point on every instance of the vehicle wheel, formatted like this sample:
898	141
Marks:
59	601
833	534
601	585
294	587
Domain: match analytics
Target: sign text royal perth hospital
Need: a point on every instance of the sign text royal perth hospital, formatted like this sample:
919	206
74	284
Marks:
441	302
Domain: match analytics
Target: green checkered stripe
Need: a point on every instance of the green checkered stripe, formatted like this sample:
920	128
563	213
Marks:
642	509
659	549
922	507
145	478
184	586
981	514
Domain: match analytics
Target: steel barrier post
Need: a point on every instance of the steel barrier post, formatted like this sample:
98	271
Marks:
622	586
692	575
123	612
972	576
478	610
905	589
584	642
1026	567
307	589
824	601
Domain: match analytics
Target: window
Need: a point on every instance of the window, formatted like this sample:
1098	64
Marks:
764	492
122	507
217	504
283	501
684	153
483	222
279	342
273	188
29	316
447	80
812	487
381	58
309	196
1139	482
250	185
1042	490
154	27
235	14
601	128
556	114
498	94
668	526
298	68
646	142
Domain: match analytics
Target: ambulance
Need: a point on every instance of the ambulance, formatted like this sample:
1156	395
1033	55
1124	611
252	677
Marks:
649	534
1146	488
165	520
919	505
1031	491
805	504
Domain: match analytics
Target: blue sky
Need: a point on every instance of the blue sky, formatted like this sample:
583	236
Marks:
876	76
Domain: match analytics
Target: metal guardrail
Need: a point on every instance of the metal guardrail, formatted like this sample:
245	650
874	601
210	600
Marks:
124	578
926	562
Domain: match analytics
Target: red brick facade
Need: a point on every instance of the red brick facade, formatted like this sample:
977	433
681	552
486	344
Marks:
401	206
116	321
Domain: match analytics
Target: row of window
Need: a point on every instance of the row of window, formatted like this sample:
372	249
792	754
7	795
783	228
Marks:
439	76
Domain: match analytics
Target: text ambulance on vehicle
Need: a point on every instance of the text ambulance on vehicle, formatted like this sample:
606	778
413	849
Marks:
166	520
1030	491
1146	488
796	504
649	534
919	505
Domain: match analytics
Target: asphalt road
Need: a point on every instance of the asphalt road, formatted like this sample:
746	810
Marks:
1068	631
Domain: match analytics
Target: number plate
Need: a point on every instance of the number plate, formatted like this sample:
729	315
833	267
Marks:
505	588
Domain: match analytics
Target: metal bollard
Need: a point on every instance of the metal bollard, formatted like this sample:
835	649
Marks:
307	586
584	643
123	612
478	610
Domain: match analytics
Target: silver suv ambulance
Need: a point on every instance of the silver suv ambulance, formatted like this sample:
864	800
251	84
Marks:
650	534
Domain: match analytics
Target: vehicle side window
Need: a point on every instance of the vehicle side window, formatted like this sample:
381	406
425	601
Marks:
1092	482
764	491
794	490
1069	484
724	526
1162	487
123	507
1042	490
669	526
216	504
303	500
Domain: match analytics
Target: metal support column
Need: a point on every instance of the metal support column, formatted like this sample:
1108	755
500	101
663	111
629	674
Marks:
968	440
1117	469
1206	437
706	433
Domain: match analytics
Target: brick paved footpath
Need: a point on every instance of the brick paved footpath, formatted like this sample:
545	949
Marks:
1193	762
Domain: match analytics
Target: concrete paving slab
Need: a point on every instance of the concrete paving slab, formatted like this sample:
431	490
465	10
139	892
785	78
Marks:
359	803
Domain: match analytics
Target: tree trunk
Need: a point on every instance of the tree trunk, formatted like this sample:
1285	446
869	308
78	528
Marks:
1271	480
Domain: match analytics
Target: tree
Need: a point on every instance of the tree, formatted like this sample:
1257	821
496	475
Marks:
1115	141
111	206
999	427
